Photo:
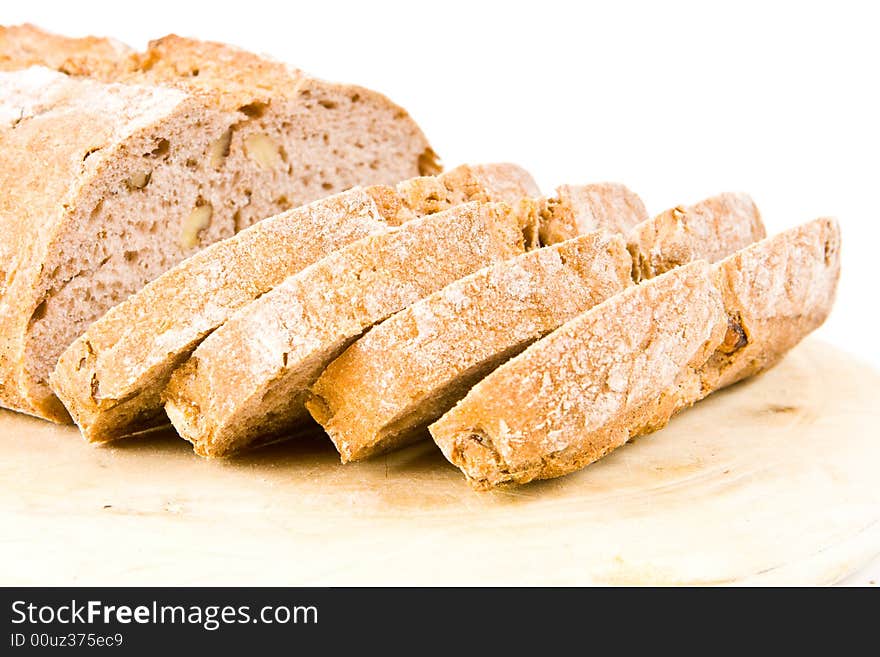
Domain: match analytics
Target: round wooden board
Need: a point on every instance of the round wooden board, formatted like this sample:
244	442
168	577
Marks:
773	482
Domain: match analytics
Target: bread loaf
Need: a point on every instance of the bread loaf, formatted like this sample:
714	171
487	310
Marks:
111	179
111	377
247	382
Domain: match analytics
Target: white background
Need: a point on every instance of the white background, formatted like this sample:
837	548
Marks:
679	100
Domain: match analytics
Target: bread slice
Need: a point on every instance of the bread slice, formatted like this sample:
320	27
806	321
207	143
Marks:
107	185
385	389
710	230
111	377
249	379
773	293
776	292
81	165
581	209
574	395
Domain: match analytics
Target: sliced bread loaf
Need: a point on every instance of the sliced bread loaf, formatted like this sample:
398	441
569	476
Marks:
423	367
248	380
574	395
107	185
316	136
111	377
385	389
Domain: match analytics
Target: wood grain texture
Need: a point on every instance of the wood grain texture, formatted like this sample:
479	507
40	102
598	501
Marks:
772	481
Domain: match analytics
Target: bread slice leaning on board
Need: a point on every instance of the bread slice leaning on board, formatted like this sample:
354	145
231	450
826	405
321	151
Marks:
623	368
406	372
111	378
246	383
115	173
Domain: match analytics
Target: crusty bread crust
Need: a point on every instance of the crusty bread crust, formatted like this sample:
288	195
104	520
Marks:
710	230
386	388
111	378
249	379
776	292
363	419
26	45
574	395
580	209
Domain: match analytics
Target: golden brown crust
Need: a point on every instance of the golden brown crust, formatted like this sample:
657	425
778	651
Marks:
213	67
576	394
775	292
388	386
710	230
249	378
26	45
580	209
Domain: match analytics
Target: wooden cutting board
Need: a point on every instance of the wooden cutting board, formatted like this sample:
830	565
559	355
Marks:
773	481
